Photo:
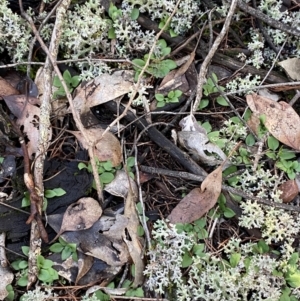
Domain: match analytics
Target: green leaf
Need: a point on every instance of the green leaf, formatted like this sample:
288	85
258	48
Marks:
178	93
106	177
15	265
273	143
161	24
229	213
111	33
294	279
222	101
102	296
187	260
62	241
171	94
286	154
134	14
203	104
201	222
207	126
140	231
166	51
271	155
75	81
170	64
23	265
250	140
59	191
66	253
234	259
57	82
139	62
159	97
294	259
25	250
198	249
130	161
285	295
11	293
47	263
108	165
49	193
172	33
160	104
56	248
67	76
44	275
202	234
22	281
162	43
25	200
81	165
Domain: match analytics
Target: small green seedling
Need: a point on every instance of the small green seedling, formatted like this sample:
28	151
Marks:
208	88
158	67
66	249
46	273
105	169
168	28
71	82
49	193
173	96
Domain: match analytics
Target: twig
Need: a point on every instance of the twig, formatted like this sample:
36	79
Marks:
274	23
214	48
193	177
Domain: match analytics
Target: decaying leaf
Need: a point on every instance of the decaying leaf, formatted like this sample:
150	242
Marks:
194	138
84	265
106	148
289	191
6	275
102	89
281	119
27	116
133	242
292	67
6	88
200	200
121	184
80	216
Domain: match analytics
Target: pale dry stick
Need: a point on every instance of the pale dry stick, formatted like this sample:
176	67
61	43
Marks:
44	129
144	223
204	66
295	98
69	97
136	87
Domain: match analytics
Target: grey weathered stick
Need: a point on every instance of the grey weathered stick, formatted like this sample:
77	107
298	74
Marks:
214	48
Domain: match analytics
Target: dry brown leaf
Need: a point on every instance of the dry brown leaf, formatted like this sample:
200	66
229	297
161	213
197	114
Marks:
80	216
85	263
281	119
289	191
200	200
292	67
27	116
102	89
107	148
134	246
6	88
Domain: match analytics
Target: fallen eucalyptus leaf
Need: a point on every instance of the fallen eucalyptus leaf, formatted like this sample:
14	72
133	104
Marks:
106	148
281	119
292	67
200	200
80	216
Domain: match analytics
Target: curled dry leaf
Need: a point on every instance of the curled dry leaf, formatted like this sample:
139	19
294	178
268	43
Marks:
106	148
289	191
200	200
102	89
80	216
292	67
6	88
27	116
281	119
194	138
